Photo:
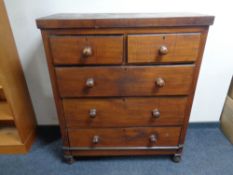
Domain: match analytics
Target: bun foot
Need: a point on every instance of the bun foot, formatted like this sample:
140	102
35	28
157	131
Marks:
176	158
69	159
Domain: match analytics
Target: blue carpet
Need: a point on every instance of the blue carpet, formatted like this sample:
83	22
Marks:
206	152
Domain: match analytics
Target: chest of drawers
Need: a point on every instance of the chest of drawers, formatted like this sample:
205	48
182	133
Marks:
124	83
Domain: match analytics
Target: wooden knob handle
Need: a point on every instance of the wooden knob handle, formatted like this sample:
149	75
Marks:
90	82
92	113
95	139
87	51
163	50
153	138
156	113
160	82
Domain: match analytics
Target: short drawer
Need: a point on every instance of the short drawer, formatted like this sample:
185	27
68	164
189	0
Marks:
124	137
124	81
86	49
124	112
162	48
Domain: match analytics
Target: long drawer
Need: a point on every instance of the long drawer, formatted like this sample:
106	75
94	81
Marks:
162	48
124	81
124	137
124	112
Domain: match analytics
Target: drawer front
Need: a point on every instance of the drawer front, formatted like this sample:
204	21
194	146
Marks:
124	112
124	81
136	137
86	49
163	48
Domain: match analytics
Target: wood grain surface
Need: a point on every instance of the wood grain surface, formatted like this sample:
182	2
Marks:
150	64
112	20
69	49
15	89
135	136
146	48
124	111
2	94
124	81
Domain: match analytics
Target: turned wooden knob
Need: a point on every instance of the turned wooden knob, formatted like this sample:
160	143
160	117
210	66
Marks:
90	82
156	113
160	82
92	113
163	50
87	51
153	138
95	139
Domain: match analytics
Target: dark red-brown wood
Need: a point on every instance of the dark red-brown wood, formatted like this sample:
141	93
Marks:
59	21
69	50
125	137
181	47
124	112
123	79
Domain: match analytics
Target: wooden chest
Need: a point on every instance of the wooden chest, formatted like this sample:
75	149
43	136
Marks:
124	83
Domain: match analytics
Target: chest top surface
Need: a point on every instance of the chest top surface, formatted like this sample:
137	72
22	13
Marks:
111	20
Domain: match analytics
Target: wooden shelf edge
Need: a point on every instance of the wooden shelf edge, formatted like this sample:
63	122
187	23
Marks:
19	149
5	112
6	122
2	95
13	149
30	140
